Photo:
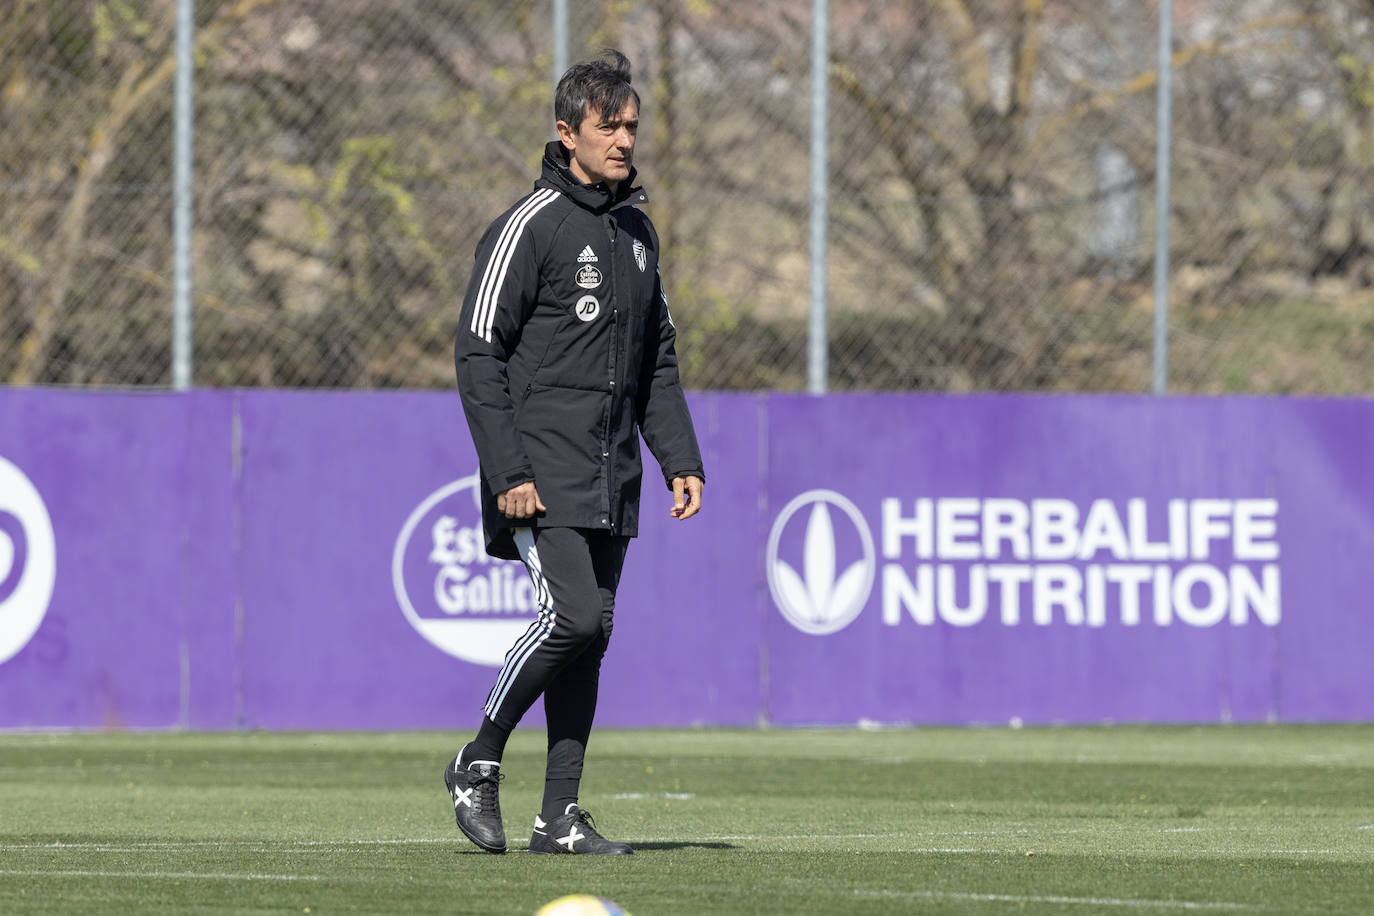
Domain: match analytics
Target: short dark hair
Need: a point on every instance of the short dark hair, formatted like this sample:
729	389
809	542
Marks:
601	86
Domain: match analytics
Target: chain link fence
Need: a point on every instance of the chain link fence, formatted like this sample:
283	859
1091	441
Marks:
991	187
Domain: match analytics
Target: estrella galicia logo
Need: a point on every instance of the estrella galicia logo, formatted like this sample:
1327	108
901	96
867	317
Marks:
588	277
820	575
461	600
28	560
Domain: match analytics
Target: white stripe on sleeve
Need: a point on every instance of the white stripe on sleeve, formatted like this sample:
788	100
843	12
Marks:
484	314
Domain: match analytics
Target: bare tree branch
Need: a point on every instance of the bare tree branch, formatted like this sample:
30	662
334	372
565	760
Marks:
975	74
134	88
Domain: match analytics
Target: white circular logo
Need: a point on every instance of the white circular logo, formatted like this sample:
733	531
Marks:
816	595
28	560
588	308
468	604
588	277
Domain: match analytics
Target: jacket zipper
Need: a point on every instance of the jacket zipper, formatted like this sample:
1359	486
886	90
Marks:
610	403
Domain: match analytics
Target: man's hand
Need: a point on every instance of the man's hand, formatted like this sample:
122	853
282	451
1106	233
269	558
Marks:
686	497
520	501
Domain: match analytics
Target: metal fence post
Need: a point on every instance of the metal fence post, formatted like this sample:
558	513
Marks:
1164	132
184	116
817	368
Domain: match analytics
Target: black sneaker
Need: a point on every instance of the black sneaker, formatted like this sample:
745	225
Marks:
476	803
573	832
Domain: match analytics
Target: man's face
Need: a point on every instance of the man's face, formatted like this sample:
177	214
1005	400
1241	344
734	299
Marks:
602	147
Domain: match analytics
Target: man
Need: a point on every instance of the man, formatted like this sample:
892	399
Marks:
565	354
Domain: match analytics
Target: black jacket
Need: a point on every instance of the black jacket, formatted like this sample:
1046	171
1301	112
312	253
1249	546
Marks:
565	353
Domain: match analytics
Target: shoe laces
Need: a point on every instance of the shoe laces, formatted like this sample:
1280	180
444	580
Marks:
585	817
485	794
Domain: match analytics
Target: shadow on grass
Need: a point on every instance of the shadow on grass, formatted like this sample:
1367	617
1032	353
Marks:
657	845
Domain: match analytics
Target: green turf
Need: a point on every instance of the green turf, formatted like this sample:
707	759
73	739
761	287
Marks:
1154	820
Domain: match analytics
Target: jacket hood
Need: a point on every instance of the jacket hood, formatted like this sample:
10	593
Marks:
598	198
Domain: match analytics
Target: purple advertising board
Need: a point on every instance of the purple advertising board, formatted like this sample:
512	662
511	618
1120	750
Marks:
117	585
312	560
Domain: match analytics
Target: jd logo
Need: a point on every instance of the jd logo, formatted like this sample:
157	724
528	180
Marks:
28	560
462	601
820	578
588	307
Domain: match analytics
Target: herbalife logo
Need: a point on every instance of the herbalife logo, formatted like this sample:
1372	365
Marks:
820	576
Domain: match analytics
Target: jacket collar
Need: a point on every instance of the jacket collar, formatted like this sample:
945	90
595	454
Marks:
597	198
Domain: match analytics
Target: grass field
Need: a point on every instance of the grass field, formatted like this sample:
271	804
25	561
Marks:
1154	820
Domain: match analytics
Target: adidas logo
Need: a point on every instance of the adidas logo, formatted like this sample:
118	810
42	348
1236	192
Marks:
587	256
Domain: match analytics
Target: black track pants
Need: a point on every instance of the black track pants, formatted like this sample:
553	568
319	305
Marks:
575	572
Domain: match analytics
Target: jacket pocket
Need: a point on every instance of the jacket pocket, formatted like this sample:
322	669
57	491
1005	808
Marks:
563	429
